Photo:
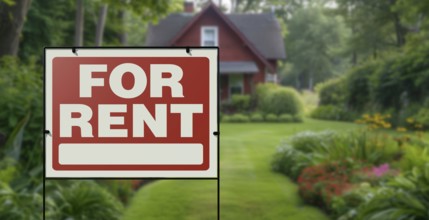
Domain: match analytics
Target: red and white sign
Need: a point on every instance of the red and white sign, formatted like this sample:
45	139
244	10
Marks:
131	112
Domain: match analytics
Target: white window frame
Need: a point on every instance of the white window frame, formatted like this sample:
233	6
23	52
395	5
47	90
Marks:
270	77
216	33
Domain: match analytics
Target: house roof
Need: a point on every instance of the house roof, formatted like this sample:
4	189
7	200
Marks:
228	67
261	30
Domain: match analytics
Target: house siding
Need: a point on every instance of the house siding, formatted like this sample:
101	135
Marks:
232	48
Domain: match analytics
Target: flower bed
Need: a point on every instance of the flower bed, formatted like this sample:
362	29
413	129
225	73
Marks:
350	175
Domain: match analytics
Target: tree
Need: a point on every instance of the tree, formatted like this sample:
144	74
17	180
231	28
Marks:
311	45
378	26
12	17
100	25
47	24
78	37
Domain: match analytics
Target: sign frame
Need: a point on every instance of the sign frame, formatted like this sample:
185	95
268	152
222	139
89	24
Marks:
213	55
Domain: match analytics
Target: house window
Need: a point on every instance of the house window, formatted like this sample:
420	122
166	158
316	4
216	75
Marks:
270	77
235	84
209	36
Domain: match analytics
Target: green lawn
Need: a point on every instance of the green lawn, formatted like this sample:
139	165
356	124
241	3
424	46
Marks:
249	190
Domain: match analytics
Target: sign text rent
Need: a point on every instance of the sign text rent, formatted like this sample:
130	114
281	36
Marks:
157	123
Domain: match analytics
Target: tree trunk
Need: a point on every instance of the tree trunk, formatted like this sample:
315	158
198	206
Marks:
399	28
100	25
11	22
354	53
123	36
310	82
78	30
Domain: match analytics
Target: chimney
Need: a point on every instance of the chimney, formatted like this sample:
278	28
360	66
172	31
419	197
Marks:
188	7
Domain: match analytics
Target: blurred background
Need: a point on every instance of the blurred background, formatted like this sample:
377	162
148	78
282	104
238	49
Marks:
324	108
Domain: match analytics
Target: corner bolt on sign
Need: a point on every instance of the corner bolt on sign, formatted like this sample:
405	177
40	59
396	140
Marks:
141	112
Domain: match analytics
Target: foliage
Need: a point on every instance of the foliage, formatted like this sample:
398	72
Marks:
403	75
261	94
47	24
21	89
256	117
308	141
344	207
312	45
414	156
319	183
82	200
271	118
405	197
311	148
358	88
19	204
240	103
290	161
331	92
375	121
298	118
310	100
281	100
238	117
286	118
121	189
422	117
331	112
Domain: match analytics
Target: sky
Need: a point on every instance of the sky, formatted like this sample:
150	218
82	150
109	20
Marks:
226	3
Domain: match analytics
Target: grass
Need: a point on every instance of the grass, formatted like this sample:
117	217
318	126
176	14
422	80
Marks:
175	199
249	189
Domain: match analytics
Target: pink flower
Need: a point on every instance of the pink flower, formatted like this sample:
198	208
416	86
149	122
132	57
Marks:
381	170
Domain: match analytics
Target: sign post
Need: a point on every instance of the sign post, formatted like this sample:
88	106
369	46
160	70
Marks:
131	112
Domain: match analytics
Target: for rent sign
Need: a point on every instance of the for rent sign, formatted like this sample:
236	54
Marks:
131	112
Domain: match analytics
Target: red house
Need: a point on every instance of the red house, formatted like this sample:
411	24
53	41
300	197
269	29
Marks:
249	44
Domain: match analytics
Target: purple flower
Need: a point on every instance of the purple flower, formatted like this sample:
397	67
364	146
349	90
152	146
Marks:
381	170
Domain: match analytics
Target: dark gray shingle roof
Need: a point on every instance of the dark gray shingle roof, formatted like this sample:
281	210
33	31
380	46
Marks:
262	30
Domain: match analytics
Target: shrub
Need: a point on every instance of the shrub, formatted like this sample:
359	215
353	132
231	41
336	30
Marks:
284	101
319	183
83	200
226	118
422	117
262	91
19	204
240	103
286	118
345	207
239	118
21	92
274	99
226	107
414	156
289	161
271	118
330	112
358	86
256	117
332	92
8	170
320	147
309	141
121	189
405	197
298	118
